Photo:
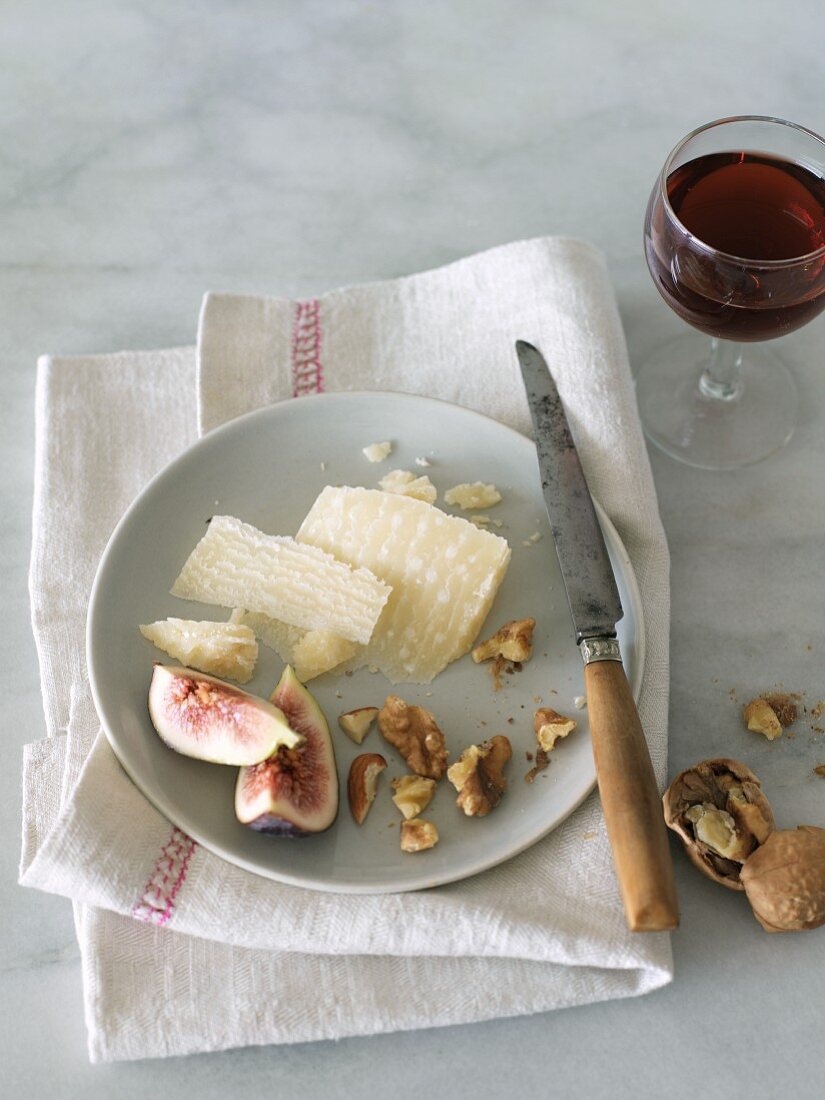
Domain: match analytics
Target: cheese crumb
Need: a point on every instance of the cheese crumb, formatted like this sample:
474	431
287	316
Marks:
323	466
475	495
408	485
480	521
423	462
534	538
377	452
580	702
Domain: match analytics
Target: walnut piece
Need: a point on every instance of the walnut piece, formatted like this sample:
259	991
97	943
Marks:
513	642
550	726
760	717
418	835
412	794
414	732
478	776
770	714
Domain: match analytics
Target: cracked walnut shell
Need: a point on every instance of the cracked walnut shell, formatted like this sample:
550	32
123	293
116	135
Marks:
721	815
478	776
414	732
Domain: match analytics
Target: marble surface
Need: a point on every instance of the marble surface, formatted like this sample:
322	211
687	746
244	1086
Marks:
151	151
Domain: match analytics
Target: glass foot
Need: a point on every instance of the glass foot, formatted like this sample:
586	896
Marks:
707	432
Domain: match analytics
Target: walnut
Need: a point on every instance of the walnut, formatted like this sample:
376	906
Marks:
784	880
719	811
550	726
414	732
412	794
513	642
478	776
418	835
770	714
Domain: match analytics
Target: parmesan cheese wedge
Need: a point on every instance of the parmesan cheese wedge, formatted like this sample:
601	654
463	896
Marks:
443	572
235	565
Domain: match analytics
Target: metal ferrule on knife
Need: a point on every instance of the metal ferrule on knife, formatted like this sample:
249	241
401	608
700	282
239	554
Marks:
599	649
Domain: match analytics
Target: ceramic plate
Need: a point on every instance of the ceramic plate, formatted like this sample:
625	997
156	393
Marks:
267	468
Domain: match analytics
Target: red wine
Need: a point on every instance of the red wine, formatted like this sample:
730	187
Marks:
735	215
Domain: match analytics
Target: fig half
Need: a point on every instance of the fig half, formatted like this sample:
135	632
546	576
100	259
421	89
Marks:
294	792
200	716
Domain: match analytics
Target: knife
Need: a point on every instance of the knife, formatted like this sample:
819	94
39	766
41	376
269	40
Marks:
627	785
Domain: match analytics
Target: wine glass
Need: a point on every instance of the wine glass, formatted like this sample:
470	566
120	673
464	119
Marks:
735	243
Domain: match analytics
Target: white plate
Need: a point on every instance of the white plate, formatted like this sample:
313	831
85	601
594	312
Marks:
266	469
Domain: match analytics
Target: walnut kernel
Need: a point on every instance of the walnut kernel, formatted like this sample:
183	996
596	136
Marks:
414	732
478	776
418	835
550	726
513	642
412	794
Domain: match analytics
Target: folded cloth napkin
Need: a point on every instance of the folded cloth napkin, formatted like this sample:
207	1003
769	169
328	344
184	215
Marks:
184	952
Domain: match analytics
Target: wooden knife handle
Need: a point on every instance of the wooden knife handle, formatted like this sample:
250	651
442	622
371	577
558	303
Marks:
630	799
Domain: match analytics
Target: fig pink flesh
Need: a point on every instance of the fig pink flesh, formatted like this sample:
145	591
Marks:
295	792
206	718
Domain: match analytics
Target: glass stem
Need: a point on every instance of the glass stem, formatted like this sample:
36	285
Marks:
722	377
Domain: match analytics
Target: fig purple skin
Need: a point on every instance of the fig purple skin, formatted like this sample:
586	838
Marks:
295	792
206	718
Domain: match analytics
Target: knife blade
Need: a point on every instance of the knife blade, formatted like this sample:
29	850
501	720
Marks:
585	566
627	784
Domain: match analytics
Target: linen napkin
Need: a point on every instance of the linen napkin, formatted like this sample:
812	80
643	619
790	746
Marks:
185	952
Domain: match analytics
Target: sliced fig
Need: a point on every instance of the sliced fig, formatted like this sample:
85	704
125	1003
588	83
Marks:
200	716
295	791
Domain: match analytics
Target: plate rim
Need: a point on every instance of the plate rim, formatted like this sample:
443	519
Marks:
330	886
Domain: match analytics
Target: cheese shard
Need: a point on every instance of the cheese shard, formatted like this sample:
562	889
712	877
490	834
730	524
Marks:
377	452
444	573
227	650
408	485
320	651
272	632
473	495
310	652
235	565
